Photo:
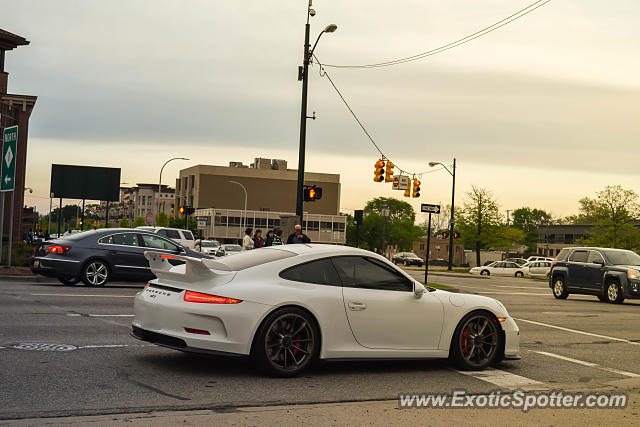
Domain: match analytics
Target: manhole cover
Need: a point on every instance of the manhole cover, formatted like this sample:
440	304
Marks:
43	346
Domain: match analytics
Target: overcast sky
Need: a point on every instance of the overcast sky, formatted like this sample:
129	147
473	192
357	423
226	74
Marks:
542	112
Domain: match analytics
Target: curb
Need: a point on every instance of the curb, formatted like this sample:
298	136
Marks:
462	276
37	279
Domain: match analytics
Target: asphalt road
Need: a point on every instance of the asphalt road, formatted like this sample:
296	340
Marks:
67	351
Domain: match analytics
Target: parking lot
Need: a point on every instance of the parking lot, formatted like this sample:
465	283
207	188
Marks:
66	351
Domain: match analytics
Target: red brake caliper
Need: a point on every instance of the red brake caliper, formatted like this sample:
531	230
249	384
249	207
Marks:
463	341
295	351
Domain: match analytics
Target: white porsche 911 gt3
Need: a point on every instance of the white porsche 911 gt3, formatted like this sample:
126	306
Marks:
286	306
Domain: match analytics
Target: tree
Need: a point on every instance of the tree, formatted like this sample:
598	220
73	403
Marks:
398	209
613	213
139	221
480	220
124	223
162	219
529	220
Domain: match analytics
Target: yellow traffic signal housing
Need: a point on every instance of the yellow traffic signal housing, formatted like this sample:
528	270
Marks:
416	188
407	192
379	171
388	175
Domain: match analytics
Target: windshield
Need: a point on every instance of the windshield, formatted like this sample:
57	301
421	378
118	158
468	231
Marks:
232	248
622	257
412	256
209	244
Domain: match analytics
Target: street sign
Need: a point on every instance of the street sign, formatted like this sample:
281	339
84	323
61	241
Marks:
9	154
427	208
203	221
400	182
149	218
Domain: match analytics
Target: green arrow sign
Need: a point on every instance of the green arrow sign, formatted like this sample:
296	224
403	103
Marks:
9	153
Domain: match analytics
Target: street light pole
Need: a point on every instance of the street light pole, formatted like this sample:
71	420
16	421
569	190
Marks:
160	179
245	205
303	110
453	196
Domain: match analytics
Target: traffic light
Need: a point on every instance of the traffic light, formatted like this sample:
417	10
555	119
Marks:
312	193
388	175
407	192
416	188
379	171
456	234
181	210
445	234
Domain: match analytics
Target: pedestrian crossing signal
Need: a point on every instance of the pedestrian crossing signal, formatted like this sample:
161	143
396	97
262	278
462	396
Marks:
445	234
312	193
456	234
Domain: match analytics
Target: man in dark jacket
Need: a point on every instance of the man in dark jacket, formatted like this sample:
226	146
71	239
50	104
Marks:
297	236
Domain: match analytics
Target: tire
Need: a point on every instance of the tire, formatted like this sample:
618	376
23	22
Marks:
519	274
613	293
286	335
477	342
559	289
68	281
485	273
96	273
406	263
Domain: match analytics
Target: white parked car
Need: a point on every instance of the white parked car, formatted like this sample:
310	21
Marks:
178	235
207	246
539	258
537	268
499	268
286	306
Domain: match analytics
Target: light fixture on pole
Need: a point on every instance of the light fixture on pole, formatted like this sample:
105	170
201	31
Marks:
303	74
242	225
160	179
451	221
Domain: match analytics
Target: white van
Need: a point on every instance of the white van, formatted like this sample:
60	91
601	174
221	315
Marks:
178	235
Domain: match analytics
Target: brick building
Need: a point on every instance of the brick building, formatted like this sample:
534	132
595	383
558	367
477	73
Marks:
15	110
439	249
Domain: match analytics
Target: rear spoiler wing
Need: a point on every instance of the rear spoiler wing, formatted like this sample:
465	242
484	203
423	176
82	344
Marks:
195	269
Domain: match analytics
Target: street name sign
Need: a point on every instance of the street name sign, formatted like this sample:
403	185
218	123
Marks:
9	154
202	222
427	208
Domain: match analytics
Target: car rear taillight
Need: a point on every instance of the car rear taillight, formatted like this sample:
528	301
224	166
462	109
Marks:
552	263
57	249
191	296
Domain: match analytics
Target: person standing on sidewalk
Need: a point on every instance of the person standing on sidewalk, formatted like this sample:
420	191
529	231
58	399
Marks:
247	241
258	241
297	236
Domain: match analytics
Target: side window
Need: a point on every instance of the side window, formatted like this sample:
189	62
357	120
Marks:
595	256
368	273
499	265
578	256
321	272
156	242
124	239
172	234
162	233
187	235
562	256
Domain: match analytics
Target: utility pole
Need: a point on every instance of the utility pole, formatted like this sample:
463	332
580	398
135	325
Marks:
478	242
452	221
508	210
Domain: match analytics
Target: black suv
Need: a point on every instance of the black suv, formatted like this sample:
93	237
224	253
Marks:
610	274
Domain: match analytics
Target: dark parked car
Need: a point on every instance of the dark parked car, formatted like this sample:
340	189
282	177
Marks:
98	256
610	274
407	258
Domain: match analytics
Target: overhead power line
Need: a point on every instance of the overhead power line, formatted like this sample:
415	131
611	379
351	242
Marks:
486	30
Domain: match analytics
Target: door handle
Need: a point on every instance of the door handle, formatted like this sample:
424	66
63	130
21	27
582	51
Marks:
356	306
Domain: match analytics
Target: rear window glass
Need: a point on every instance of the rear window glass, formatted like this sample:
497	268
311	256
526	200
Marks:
248	259
172	234
320	272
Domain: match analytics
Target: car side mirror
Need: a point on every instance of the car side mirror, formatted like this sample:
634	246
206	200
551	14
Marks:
418	290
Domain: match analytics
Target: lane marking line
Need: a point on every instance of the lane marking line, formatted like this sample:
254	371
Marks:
590	364
83	295
578	332
99	315
506	379
115	345
517	293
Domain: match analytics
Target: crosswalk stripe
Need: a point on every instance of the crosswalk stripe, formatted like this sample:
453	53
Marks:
590	364
506	379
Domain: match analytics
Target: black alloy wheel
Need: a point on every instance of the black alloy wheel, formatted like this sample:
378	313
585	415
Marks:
559	290
287	342
95	273
485	273
519	274
476	342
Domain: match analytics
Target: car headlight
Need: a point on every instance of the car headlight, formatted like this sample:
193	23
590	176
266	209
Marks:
633	274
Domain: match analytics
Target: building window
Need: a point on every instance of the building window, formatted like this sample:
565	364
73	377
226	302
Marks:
438	248
193	181
422	246
325	225
273	223
338	226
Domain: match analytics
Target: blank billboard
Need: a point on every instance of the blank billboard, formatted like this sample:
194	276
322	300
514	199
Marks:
85	182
